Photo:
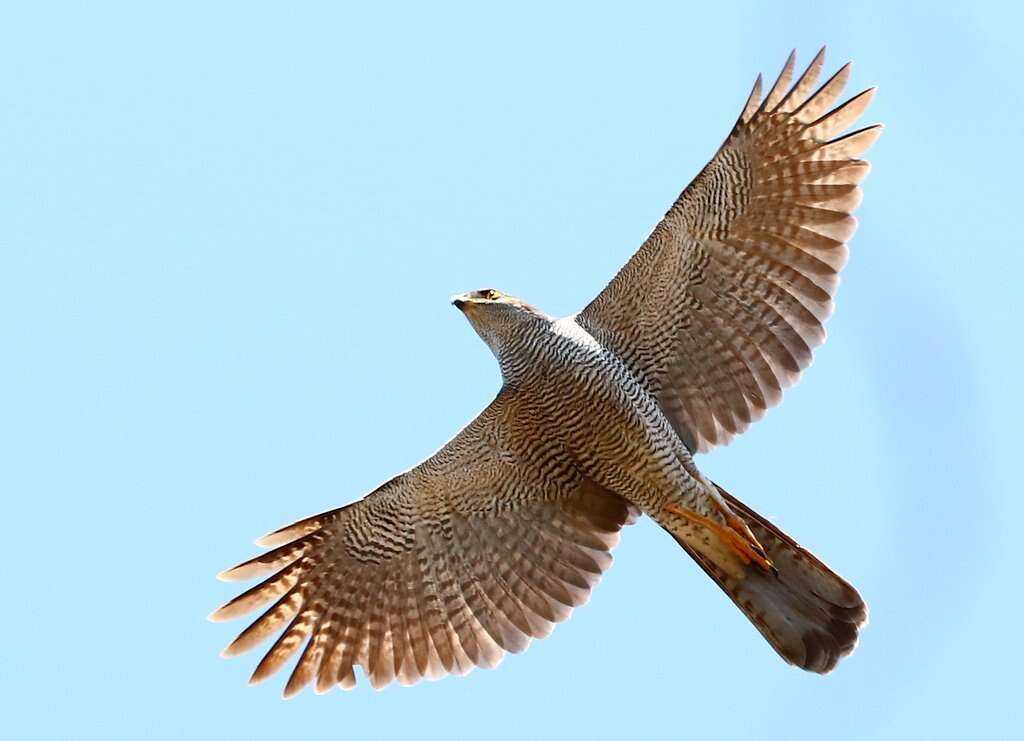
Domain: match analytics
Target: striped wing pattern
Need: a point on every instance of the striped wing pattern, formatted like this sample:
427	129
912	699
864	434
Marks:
442	569
723	305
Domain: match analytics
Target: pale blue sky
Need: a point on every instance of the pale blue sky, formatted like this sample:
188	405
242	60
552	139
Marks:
228	239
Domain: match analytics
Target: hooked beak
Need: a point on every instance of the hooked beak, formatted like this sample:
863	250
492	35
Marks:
460	302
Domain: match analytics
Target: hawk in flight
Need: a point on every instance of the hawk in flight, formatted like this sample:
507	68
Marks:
503	531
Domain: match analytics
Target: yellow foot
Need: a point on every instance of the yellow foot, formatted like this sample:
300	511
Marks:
742	542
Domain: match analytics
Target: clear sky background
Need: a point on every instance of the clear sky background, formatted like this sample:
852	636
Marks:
228	235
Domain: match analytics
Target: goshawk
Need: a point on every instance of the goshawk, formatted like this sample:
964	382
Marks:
501	533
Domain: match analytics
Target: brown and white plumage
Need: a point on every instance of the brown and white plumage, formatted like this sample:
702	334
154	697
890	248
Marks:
443	568
498	535
721	307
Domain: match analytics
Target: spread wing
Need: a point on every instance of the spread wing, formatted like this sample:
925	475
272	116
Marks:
480	548
722	306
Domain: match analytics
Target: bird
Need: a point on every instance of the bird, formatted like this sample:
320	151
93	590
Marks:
496	537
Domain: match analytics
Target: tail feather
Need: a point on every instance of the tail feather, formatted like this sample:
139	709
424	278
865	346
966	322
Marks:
809	614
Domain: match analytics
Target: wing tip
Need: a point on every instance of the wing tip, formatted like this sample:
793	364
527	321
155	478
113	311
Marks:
868	92
264	669
235	573
288	533
753	101
269	540
778	89
865	138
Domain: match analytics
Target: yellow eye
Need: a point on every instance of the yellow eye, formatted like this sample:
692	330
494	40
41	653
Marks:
493	295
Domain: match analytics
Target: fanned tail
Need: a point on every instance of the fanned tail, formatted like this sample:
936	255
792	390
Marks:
809	614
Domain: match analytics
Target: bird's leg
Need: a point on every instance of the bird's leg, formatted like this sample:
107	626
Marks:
734	534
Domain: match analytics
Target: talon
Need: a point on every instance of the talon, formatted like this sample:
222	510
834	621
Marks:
742	542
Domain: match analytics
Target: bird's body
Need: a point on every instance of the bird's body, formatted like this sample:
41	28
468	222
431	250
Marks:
596	416
497	536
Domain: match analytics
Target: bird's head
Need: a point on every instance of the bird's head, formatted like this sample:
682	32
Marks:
497	317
